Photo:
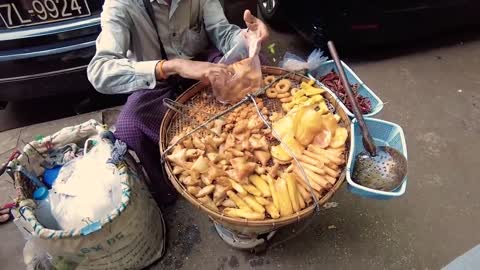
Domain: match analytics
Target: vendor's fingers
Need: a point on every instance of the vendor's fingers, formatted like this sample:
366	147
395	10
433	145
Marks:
4	211
4	218
250	20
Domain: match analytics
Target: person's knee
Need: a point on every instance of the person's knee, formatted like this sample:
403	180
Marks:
126	128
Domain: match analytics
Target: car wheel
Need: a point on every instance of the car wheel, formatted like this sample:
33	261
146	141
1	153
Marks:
271	10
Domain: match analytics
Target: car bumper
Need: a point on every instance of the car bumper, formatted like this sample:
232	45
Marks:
61	82
54	67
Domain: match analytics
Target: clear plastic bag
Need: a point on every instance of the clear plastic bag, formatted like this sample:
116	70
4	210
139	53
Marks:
246	72
292	62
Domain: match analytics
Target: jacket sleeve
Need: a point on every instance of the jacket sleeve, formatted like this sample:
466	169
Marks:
223	34
110	71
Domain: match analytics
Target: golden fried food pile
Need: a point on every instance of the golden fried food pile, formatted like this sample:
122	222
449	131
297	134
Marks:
240	170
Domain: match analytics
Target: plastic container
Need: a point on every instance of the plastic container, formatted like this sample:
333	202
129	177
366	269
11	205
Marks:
43	212
383	133
363	89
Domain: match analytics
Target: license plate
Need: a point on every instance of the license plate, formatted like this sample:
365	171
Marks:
23	13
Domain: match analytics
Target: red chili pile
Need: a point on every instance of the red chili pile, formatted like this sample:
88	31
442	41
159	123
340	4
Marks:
333	82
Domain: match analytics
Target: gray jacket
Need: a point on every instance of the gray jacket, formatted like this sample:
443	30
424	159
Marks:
128	47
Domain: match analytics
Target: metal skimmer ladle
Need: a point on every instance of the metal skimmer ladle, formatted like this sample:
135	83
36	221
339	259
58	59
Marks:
379	167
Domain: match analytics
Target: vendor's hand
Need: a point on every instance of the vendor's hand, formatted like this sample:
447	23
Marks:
196	70
255	25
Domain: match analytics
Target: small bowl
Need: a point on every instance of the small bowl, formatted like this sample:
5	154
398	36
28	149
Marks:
383	133
363	89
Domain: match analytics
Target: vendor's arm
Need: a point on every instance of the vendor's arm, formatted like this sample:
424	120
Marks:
223	34
110	71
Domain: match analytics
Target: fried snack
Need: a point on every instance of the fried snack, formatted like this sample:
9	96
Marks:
243	213
304	193
319	158
330	179
319	179
238	188
177	170
242	167
339	138
207	190
190	181
272	211
283	86
326	154
273	191
314	169
301	202
262	200
303	182
207	202
293	91
285	99
252	190
262	156
193	190
309	160
220	193
237	200
283	95
322	139
260	184
269	79
292	191
332	173
285	208
271	93
250	200
229	203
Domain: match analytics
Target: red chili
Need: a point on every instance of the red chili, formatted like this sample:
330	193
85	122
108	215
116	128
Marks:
332	81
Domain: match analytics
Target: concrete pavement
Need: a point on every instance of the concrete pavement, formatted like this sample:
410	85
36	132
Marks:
434	95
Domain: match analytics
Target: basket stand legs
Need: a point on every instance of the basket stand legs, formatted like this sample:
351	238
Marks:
257	243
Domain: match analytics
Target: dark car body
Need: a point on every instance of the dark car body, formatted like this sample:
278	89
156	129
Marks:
45	58
366	22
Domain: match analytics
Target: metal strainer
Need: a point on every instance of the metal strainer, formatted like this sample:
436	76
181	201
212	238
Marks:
379	167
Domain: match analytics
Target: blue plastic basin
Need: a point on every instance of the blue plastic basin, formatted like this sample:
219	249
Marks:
383	133
363	89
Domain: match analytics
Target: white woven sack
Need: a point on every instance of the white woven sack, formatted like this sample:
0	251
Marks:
131	237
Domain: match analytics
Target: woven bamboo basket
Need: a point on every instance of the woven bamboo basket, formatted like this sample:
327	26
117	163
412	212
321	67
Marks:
171	125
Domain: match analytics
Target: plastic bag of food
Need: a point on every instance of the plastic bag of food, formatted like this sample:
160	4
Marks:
294	63
245	71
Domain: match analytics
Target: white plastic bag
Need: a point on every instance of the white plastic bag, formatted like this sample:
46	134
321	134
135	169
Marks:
294	63
246	71
86	194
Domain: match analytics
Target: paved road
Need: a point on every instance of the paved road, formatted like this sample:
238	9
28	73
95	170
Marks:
433	92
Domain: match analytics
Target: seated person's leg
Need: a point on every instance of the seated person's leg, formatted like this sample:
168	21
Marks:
138	125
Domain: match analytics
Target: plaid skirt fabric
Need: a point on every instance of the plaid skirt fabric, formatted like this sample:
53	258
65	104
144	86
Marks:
138	125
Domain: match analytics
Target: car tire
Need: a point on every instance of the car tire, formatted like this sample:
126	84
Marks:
272	11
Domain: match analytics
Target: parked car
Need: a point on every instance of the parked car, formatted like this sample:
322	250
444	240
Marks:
357	23
46	45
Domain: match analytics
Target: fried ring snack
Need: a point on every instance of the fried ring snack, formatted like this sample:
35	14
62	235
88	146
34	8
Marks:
271	92
269	79
286	100
283	86
293	91
283	95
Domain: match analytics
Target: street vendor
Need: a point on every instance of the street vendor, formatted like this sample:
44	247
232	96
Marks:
137	56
